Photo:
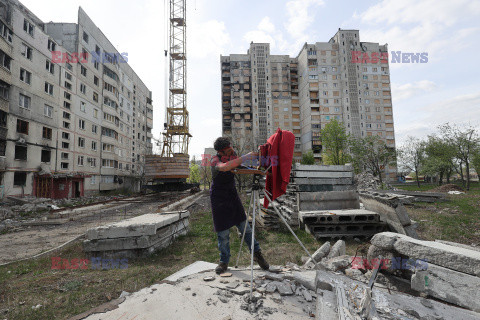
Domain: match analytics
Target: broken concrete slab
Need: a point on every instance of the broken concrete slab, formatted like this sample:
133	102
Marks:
143	225
450	286
338	249
305	278
196	267
284	289
339	263
320	253
461	245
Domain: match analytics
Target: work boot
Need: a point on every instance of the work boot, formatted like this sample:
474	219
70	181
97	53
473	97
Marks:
258	257
221	268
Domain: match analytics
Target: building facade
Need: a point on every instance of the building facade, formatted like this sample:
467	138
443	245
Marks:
326	81
75	118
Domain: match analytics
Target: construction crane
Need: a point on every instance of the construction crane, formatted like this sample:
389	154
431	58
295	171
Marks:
176	134
172	166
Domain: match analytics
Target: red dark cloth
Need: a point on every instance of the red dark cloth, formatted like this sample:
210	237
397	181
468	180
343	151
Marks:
280	151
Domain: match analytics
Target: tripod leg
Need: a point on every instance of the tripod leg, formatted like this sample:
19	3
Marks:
253	240
290	229
244	229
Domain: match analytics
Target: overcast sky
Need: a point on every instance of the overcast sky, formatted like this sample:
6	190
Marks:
446	89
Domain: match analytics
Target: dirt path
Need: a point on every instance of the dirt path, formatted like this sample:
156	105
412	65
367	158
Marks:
28	241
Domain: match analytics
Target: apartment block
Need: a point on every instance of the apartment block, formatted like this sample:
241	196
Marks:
302	94
75	118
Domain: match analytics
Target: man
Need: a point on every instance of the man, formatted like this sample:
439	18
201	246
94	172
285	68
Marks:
227	208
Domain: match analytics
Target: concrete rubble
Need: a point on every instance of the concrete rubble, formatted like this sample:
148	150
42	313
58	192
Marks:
138	236
293	293
447	272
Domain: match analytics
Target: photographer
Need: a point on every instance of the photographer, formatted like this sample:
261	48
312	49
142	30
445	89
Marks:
227	208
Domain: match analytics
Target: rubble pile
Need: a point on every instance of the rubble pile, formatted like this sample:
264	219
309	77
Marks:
367	181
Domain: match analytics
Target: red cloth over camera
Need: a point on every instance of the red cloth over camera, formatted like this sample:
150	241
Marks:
277	152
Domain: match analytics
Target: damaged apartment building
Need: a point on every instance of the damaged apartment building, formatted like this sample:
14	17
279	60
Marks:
68	127
262	92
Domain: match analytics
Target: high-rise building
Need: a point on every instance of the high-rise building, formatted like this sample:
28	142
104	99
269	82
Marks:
342	79
75	118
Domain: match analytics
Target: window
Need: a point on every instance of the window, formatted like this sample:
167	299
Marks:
48	111
95	97
68	76
49	88
46	155
96	65
66	104
85	37
109	133
66	125
83	88
68	66
66	135
83	71
65	145
5	32
20	152
5	60
93	162
82	106
51	45
66	115
80	160
24	101
68	85
64	165
67	95
19	179
4	90
25	76
81	142
94	145
47	133
50	67
27	52
95	113
28	27
81	124
93	179
95	80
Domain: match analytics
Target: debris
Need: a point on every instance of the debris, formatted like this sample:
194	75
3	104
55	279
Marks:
338	249
337	263
276	297
284	289
226	275
124	294
209	278
307	295
233	285
320	253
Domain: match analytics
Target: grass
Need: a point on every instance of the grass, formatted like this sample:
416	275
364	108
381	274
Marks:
457	219
65	293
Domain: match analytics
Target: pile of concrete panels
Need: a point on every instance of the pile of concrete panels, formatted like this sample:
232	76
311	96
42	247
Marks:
138	236
341	223
451	272
267	217
391	208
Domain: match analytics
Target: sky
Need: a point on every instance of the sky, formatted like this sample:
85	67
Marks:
445	89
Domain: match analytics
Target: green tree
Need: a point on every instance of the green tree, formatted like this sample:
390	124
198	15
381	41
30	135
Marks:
439	158
476	160
194	173
334	139
411	155
465	141
308	158
371	154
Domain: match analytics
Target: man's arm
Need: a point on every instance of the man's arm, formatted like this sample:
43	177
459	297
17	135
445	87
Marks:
232	164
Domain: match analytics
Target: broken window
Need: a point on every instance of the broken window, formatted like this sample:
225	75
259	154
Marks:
24	101
3	119
68	75
46	155
81	124
20	152
83	88
65	145
22	126
68	85
5	32
25	76
3	147
82	106
19	178
28	27
49	88
94	145
66	125
66	135
51	45
64	165
81	142
27	52
64	156
47	133
4	90
67	95
85	37
95	80
50	67
95	97
83	71
80	160
66	104
94	128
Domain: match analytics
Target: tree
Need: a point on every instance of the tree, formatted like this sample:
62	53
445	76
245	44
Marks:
476	160
371	154
465	142
335	143
439	158
194	173
308	158
411	155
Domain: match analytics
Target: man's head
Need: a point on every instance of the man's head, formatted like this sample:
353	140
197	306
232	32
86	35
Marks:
223	147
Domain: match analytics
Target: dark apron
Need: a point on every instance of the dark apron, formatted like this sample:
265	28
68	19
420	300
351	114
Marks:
227	208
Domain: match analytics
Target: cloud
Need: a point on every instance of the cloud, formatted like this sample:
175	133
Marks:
266	32
208	39
300	16
405	91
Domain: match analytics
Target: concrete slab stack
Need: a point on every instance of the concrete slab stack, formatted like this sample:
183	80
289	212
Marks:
138	236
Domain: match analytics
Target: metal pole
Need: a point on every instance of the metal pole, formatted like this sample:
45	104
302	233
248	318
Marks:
244	229
251	247
289	228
